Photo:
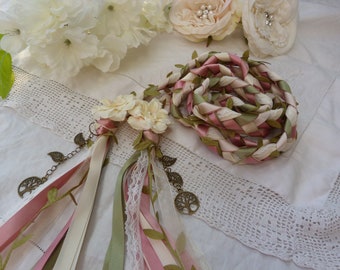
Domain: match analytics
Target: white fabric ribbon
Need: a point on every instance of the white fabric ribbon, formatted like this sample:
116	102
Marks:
68	256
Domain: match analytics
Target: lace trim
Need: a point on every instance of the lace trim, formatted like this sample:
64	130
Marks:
134	259
251	213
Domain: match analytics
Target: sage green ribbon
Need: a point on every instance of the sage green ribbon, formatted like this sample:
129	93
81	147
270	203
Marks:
114	259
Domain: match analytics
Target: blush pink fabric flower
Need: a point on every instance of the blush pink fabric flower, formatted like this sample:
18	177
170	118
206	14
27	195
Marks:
197	20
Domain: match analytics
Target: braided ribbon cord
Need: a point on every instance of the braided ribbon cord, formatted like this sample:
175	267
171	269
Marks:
240	108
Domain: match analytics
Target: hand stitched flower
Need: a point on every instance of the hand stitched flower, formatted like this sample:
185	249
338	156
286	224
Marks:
270	26
115	110
197	20
149	116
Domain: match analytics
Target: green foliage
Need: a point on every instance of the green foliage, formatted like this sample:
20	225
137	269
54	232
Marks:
6	73
153	234
151	91
172	267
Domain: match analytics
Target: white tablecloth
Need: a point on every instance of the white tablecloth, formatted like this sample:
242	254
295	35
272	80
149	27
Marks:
234	228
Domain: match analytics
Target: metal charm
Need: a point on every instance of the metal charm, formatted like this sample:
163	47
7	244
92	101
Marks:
57	156
30	184
187	202
79	139
168	161
174	178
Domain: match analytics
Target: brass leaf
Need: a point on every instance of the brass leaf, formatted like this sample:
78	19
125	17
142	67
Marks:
57	156
168	161
79	139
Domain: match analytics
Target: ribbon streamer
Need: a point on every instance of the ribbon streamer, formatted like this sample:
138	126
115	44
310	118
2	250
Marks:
73	242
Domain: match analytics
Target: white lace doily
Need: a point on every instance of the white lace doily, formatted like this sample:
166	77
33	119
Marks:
251	213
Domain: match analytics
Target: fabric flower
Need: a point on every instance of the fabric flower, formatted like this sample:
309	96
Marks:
149	116
56	39
12	40
270	26
115	110
156	14
197	20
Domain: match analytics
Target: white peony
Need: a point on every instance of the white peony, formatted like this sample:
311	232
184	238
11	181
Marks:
149	116
156	14
270	26
12	41
58	38
66	53
115	110
197	20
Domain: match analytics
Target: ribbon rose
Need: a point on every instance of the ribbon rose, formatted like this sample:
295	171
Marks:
198	20
270	26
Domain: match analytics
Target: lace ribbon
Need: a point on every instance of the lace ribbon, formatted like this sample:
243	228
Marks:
308	236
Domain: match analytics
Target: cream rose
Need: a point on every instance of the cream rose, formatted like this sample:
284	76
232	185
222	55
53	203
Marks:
196	20
115	110
270	26
149	116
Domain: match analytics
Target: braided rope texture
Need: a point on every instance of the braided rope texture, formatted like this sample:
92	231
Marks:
240	108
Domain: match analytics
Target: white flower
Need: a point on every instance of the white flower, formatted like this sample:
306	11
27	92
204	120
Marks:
270	26
57	38
67	53
115	110
111	50
156	14
12	40
197	20
149	116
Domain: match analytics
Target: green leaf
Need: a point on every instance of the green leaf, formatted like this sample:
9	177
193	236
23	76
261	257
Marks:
245	152
213	81
143	145
153	234
194	55
274	124
245	55
198	99
169	74
138	139
263	79
230	103
175	112
151	91
181	243
19	241
209	40
6	74
284	86
251	89
154	197
172	267
179	66
52	195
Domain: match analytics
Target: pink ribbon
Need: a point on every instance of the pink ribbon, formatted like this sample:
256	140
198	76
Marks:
11	229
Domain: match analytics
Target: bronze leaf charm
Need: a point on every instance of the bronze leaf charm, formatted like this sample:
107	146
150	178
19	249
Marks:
168	161
79	139
57	156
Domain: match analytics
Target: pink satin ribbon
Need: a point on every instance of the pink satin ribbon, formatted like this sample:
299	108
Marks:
11	229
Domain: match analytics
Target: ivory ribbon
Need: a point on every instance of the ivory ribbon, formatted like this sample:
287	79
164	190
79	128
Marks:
70	250
11	229
43	260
